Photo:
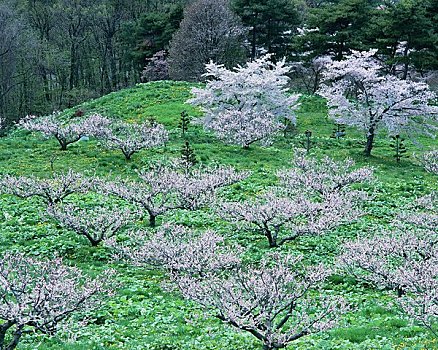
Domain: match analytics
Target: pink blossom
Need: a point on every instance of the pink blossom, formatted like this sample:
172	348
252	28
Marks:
96	224
166	187
42	294
51	190
272	301
66	132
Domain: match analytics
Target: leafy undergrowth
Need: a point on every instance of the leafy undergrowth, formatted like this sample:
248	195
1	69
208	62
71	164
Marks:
142	315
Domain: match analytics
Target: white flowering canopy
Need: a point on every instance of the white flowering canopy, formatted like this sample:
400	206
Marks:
246	104
360	95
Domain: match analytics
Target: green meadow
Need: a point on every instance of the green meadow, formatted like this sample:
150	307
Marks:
141	315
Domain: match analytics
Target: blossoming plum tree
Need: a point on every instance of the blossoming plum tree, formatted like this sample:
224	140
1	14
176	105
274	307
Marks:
66	132
247	104
95	223
166	187
178	249
359	94
404	260
52	190
314	196
36	296
271	301
131	138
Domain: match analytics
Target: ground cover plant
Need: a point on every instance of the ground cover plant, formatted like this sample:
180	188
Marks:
143	313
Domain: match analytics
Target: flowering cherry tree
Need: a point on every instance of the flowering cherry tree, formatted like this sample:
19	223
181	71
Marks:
178	250
314	196
272	301
52	190
131	138
359	94
36	296
96	224
66	132
166	187
247	104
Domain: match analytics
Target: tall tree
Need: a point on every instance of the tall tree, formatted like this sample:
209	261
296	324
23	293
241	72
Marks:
338	28
209	31
271	23
406	34
14	49
359	94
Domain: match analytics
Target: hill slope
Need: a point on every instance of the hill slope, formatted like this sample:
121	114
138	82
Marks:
142	315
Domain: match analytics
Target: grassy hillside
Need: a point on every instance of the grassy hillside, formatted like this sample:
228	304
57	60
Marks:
142	315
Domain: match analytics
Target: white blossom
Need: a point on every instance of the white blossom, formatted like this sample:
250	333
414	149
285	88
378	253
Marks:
42	294
66	132
247	104
131	138
359	94
51	190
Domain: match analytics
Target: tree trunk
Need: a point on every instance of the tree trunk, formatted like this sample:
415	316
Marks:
94	243
63	146
127	155
269	347
3	329
152	220
370	142
272	241
14	342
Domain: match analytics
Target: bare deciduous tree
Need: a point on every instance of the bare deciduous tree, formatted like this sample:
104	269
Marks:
209	31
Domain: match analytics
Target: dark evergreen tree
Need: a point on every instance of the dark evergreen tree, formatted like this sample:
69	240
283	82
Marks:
406	34
272	23
184	122
338	27
399	147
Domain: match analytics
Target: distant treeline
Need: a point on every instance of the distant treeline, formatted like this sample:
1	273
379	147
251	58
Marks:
58	53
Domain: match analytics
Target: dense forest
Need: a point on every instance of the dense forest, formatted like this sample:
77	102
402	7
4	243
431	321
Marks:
58	53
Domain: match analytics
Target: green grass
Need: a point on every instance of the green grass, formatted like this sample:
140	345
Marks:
142	315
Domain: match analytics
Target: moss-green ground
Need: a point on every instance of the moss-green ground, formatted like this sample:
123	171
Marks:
141	315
